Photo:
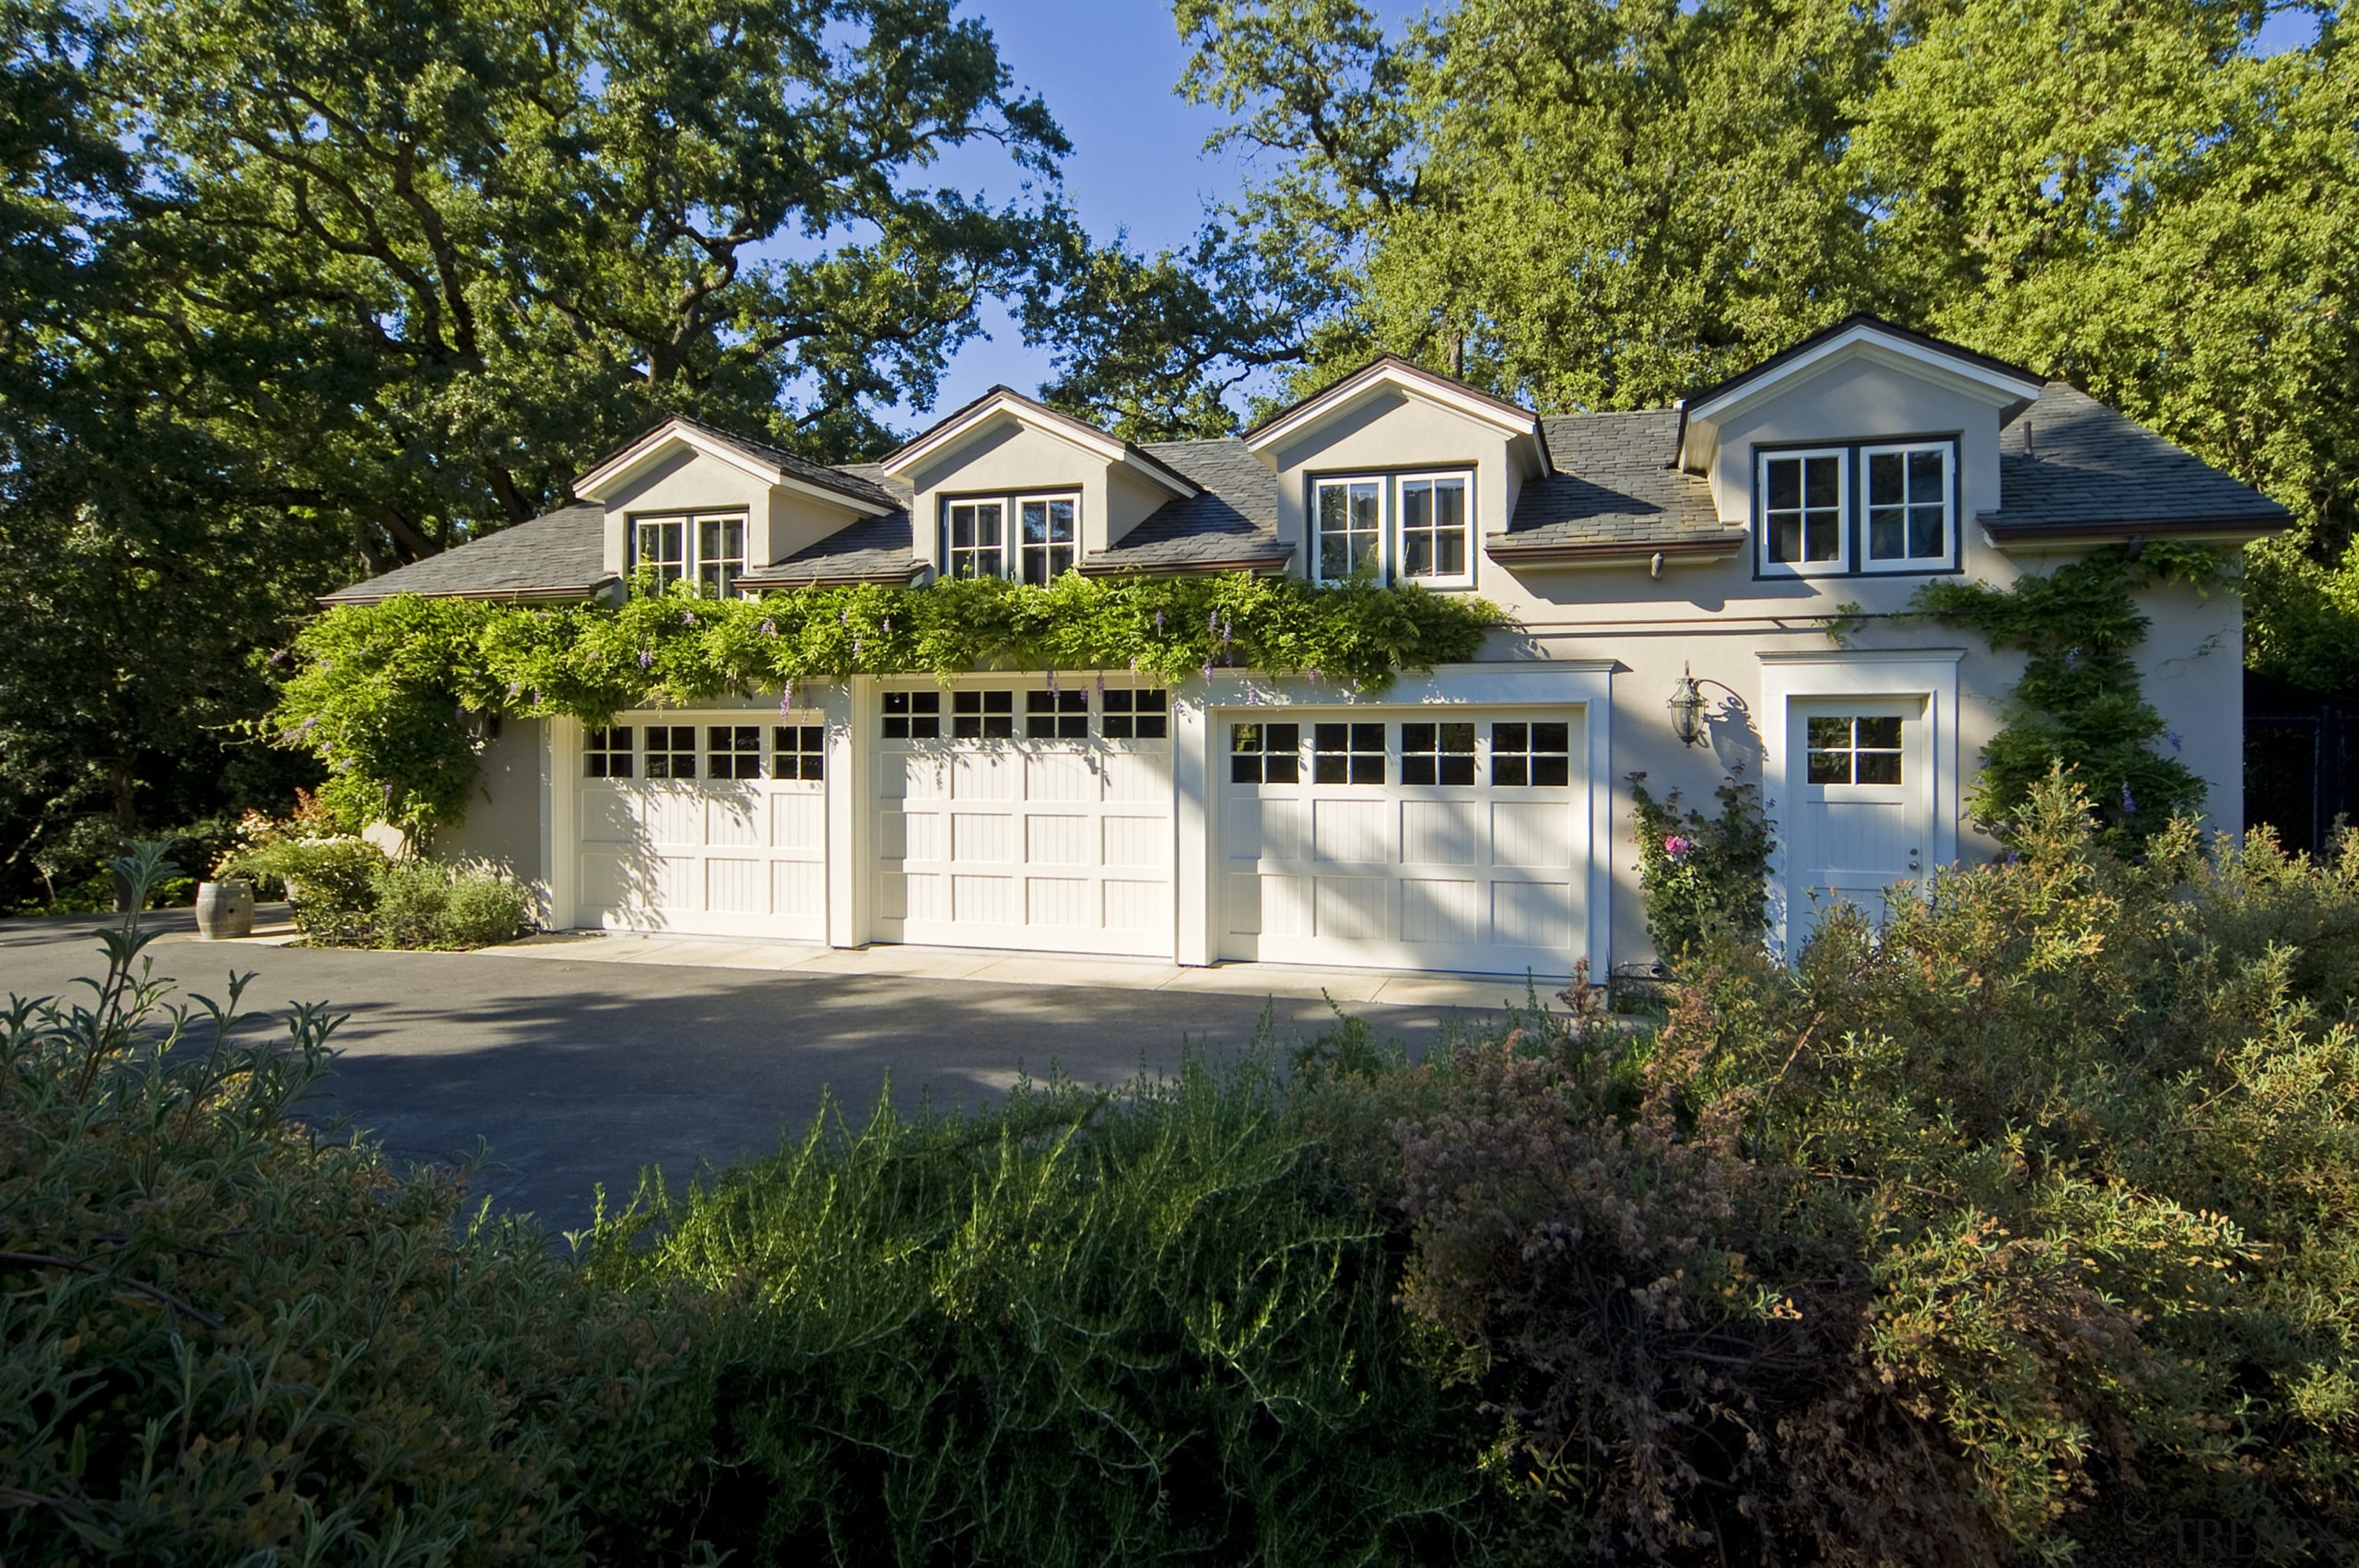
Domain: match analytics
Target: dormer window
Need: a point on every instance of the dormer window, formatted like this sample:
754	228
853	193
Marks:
706	548
1040	547
1859	507
1394	527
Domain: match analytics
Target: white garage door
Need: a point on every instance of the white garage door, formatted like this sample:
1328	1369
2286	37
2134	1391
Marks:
1013	816
712	823
1409	841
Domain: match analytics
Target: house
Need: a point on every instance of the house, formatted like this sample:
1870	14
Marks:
1474	818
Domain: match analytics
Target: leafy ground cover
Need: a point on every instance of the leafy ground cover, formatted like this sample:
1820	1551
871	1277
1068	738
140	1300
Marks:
2019	1230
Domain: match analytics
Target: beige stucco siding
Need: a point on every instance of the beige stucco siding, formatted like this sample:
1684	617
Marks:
2192	668
503	822
1003	459
1857	400
686	480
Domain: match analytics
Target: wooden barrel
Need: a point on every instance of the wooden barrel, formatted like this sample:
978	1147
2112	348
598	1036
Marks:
225	909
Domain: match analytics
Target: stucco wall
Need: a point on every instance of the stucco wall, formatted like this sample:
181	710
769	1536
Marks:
503	821
1003	459
689	481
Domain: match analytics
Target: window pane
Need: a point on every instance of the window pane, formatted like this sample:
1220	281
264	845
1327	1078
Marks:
1510	737
1418	767
1417	554
1552	772
1458	738
1823	477
1334	555
1367	737
1830	768
1826	732
1879	767
1927	537
1785	485
1887	533
1550	737
1885	478
1510	769
1925	475
1822	536
1879	733
1784	537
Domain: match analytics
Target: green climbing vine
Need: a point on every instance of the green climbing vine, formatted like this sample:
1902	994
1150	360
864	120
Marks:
2080	705
384	692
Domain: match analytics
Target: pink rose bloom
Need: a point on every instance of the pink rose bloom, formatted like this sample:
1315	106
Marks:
1675	846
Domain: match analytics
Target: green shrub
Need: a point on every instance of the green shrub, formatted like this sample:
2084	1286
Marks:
332	884
1079	1329
1705	878
423	904
224	1338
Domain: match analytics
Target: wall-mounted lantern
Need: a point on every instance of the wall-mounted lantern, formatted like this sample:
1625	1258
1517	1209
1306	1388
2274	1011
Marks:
1687	705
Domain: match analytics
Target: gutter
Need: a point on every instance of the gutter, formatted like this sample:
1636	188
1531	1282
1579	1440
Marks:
347	596
1612	552
1259	565
2244	526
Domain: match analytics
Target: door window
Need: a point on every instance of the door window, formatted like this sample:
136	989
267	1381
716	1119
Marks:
1854	749
1531	756
671	750
1437	754
1265	753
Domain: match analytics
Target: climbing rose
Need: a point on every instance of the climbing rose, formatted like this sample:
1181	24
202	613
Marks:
1675	848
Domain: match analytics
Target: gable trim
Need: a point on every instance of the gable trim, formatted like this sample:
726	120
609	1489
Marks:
1393	371
682	432
1993	380
1002	402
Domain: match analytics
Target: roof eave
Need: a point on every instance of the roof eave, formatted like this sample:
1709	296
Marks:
1713	402
1002	401
1613	552
833	580
1473	402
356	594
2236	528
1261	566
687	433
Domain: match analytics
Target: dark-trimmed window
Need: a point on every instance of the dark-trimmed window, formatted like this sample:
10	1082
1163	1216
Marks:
1135	713
1265	753
912	715
706	548
671	750
1438	753
1347	754
1394	527
1860	506
607	752
799	751
1056	716
1034	539
982	715
1531	756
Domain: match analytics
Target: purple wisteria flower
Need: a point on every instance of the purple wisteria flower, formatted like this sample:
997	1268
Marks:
646	658
2129	800
687	617
769	628
2173	737
1158	623
786	701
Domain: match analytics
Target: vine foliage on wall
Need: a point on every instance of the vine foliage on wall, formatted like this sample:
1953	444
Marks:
389	696
2080	705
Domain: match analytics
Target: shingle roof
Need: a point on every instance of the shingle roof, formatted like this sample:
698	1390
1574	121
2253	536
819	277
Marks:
1232	521
862	482
1614	489
2069	466
561	554
874	549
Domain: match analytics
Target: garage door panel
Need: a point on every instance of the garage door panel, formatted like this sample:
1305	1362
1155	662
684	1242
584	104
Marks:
734	823
1060	776
1532	833
672	815
736	887
1137	905
1350	832
1437	911
608	818
1138	777
983	900
1136	842
799	820
799	888
982	777
1056	841
1467	855
983	836
1058	901
1439	832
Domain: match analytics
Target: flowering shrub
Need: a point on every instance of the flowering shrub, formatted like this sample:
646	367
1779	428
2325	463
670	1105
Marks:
1702	875
382	692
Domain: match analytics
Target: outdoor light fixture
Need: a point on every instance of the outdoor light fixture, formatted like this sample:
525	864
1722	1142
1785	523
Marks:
1687	705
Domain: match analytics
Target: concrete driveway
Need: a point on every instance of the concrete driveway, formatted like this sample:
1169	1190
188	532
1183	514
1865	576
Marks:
577	1071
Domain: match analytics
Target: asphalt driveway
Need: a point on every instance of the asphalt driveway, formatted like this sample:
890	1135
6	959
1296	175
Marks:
578	1073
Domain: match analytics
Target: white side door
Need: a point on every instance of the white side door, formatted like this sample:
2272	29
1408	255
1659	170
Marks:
1862	812
707	824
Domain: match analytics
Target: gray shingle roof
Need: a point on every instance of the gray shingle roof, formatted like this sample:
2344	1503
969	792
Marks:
1614	489
874	549
2069	465
1231	522
561	554
860	481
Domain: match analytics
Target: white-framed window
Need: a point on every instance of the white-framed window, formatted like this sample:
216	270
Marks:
1394	527
1910	520
1034	539
707	548
1805	511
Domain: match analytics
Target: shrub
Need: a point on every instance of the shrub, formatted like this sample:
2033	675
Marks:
224	1338
331	882
1703	877
431	904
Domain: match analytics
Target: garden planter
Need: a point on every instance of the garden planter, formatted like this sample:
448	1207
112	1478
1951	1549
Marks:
225	909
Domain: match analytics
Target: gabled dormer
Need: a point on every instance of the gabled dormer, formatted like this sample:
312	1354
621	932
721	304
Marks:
1010	487
1399	473
692	502
1864	450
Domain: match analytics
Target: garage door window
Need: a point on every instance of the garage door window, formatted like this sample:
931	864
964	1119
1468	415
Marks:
1531	756
1265	753
671	750
912	715
1437	754
734	751
1140	713
1347	754
982	715
1056	716
798	751
608	753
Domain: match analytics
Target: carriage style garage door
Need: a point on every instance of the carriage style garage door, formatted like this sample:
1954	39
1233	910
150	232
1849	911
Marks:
1015	815
711	824
1409	840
